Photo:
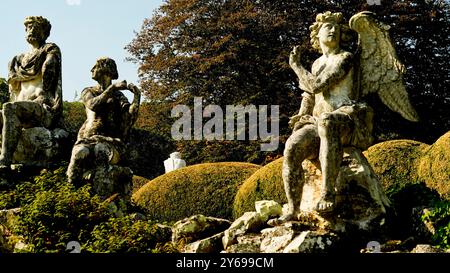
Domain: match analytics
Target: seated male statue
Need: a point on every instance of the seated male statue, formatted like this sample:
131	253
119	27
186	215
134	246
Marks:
35	88
102	138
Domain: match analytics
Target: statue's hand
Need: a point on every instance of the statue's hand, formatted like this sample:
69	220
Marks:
120	85
294	57
133	88
293	120
298	121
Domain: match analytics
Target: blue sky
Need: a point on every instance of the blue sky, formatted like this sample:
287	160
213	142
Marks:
84	30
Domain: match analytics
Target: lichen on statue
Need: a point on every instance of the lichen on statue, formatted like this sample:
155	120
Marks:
35	88
333	116
98	153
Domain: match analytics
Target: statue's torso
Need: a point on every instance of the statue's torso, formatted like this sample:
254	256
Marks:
30	90
107	120
340	93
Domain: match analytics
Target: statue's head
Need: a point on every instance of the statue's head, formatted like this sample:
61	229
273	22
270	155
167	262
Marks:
37	28
329	29
105	66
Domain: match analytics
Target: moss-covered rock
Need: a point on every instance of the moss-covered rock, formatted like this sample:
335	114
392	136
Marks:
434	166
264	184
207	189
396	162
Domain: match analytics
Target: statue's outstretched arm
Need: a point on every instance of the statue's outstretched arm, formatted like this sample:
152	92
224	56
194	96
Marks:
304	77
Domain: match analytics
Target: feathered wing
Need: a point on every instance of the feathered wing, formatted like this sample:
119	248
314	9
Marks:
380	69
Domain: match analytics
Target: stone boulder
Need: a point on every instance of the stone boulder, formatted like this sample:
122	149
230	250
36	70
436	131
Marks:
313	242
249	222
268	209
276	239
211	244
198	227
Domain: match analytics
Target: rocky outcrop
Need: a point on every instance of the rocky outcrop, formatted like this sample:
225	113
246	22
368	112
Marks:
250	233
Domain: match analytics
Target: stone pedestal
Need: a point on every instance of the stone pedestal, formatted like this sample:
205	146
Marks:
39	147
360	201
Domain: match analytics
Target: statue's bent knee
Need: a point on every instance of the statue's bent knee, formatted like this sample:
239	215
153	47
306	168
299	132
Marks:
81	152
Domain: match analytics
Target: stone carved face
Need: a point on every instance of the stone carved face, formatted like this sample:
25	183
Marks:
330	34
35	33
97	72
104	67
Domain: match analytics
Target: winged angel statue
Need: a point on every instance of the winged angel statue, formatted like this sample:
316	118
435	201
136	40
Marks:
332	115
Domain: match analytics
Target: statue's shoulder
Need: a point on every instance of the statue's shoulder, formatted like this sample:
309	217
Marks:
52	48
346	55
92	90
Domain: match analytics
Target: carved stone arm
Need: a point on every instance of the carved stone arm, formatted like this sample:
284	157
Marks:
331	75
96	102
134	108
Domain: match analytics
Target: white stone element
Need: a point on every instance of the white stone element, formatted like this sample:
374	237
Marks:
174	162
268	209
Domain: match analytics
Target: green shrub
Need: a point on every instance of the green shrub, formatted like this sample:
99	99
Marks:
207	189
405	197
74	115
264	184
440	217
396	162
59	213
138	182
23	192
434	167
201	151
125	235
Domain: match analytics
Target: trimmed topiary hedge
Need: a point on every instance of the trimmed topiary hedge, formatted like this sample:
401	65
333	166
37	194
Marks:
207	189
434	166
396	161
264	184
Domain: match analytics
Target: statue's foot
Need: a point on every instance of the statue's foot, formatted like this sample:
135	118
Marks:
326	204
283	219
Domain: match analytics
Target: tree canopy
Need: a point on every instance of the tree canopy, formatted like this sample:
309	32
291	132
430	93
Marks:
233	52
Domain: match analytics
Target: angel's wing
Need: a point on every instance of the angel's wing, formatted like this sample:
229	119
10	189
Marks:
380	69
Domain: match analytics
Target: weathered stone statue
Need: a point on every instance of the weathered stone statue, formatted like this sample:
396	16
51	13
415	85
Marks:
35	90
98	152
333	123
174	162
